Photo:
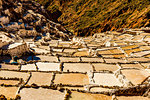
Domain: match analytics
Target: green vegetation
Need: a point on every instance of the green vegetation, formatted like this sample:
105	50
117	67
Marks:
92	16
53	8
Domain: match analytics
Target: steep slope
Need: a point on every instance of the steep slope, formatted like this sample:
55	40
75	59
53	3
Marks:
26	18
85	17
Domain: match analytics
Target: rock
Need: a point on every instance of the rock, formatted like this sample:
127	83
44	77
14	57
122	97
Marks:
7	12
27	33
21	16
19	9
61	28
4	20
28	18
14	25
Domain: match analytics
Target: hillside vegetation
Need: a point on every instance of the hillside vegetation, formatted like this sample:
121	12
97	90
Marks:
86	17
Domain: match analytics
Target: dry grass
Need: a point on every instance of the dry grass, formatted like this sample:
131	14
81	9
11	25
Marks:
85	18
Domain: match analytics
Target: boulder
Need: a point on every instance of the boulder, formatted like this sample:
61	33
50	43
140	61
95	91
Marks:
62	35
61	28
7	12
27	33
22	26
14	26
22	32
4	20
28	18
19	9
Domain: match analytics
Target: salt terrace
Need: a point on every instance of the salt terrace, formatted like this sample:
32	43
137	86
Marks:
107	66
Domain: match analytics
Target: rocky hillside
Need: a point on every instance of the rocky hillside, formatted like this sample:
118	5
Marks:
26	18
86	17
